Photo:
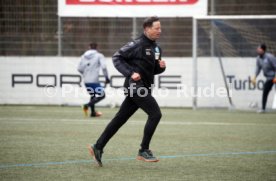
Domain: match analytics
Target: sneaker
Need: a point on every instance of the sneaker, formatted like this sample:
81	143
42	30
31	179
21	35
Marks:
96	114
85	110
147	156
97	154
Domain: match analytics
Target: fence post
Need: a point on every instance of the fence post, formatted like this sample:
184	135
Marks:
59	34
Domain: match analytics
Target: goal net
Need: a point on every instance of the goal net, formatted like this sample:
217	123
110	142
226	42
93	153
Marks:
224	59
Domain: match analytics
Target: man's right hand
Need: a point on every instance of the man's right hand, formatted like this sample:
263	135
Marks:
136	76
253	80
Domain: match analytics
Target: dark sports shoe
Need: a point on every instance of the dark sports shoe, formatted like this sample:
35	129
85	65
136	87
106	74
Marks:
85	110
96	114
147	156
97	154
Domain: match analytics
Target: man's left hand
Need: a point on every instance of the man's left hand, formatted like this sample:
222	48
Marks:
162	64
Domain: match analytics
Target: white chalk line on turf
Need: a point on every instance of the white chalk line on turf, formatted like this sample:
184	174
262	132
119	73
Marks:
8	120
67	162
17	120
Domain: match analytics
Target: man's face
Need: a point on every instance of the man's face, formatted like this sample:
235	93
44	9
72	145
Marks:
260	51
154	32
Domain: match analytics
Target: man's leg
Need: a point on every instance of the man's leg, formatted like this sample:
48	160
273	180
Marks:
92	108
95	99
267	87
91	92
96	92
127	109
150	106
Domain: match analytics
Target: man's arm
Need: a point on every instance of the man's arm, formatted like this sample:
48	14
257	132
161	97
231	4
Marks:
160	66
272	59
273	64
81	65
257	72
258	68
121	58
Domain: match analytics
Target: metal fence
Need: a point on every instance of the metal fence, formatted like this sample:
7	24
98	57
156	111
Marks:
30	28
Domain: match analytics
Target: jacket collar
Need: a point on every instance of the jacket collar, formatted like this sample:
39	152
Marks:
147	39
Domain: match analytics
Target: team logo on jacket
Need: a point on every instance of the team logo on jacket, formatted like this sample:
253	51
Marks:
148	51
157	53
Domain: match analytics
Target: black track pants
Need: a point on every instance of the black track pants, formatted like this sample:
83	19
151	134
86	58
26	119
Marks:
267	88
129	106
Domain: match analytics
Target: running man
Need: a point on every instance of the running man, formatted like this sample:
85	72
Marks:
91	63
138	61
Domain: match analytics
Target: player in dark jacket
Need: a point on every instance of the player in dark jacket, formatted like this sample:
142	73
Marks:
138	61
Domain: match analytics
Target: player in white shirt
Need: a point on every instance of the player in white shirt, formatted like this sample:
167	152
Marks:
91	63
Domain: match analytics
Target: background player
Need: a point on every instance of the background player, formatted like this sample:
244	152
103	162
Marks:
91	63
267	63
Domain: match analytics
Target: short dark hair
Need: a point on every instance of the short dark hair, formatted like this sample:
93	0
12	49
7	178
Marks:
148	22
93	45
263	46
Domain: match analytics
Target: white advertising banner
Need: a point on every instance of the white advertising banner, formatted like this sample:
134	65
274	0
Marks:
55	81
132	8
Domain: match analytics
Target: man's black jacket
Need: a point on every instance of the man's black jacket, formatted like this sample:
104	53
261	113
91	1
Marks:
139	56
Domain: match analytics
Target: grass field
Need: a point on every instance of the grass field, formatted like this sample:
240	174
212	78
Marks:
49	143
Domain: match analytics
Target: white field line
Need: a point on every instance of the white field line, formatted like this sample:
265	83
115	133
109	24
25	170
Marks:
17	120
